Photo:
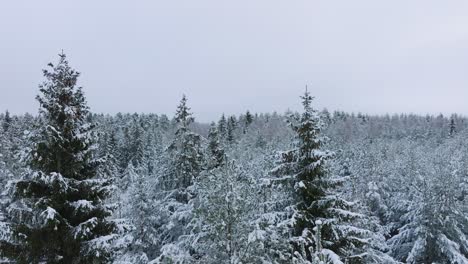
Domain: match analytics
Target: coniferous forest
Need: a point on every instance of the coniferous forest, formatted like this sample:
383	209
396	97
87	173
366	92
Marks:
298	187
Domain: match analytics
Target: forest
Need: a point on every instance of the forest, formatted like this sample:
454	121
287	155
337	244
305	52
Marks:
303	187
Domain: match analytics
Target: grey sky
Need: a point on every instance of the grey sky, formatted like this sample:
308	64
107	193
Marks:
229	56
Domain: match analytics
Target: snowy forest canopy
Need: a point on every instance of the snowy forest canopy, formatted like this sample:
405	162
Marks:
307	187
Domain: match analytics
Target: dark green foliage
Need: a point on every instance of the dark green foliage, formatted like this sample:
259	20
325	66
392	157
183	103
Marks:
306	163
57	214
185	150
215	152
230	130
183	115
248	119
313	191
453	127
222	127
6	121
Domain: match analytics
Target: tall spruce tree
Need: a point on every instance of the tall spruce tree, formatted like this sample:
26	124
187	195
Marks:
185	149
175	188
314	198
230	129
248	118
222	127
58	214
215	152
453	127
6	121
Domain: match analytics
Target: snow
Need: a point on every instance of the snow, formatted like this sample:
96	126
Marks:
331	256
83	205
51	179
388	179
49	214
85	229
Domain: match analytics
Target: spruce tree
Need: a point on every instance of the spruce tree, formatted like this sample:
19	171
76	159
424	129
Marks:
220	226
453	127
139	208
222	127
434	208
110	154
58	213
230	129
175	187
185	149
313	193
6	121
215	152
248	119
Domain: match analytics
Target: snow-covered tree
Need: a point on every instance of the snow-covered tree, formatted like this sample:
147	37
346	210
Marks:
175	186
142	239
248	119
220	225
185	153
453	127
231	129
220	200
215	154
222	127
58	214
314	196
6	122
434	221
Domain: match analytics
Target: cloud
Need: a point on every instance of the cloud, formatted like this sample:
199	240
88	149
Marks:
365	55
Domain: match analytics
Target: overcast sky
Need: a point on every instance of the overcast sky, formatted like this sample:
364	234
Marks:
229	56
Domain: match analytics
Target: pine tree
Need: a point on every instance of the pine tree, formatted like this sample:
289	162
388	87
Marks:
230	129
132	144
5	176
434	219
326	116
185	149
164	122
175	187
222	128
222	208
452	126
313	191
110	154
140	209
248	119
58	214
215	152
6	121
135	147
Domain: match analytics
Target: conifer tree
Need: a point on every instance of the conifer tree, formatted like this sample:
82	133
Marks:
140	209
135	147
248	118
175	188
5	176
185	149
452	126
215	152
58	213
221	211
434	219
222	127
230	129
313	191
6	121
164	122
110	154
